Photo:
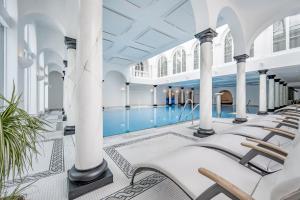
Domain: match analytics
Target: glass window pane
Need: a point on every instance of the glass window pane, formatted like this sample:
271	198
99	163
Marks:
197	57
228	48
279	36
295	31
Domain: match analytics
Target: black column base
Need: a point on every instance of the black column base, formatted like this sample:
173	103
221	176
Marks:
154	105
64	118
201	133
262	113
271	110
69	130
82	182
239	120
127	107
276	108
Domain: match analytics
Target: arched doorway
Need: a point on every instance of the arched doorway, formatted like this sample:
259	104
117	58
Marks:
226	97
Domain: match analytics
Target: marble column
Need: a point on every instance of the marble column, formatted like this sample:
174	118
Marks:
241	116
206	56
71	78
65	94
182	102
127	95
90	171
218	104
281	94
262	92
271	95
154	95
277	91
170	95
192	95
285	94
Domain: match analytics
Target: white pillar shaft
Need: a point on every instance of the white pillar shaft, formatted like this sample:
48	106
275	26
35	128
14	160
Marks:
276	102
127	95
206	86
154	96
218	102
170	96
271	99
263	92
89	122
192	96
241	91
280	95
71	77
182	96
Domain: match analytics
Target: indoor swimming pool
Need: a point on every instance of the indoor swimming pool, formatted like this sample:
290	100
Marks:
121	120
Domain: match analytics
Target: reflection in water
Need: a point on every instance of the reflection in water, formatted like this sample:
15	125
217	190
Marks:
121	120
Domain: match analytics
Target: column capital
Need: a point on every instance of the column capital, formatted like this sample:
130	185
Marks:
206	35
70	43
271	76
263	71
182	88
192	88
281	82
285	84
127	83
65	63
64	72
241	58
154	85
170	87
277	79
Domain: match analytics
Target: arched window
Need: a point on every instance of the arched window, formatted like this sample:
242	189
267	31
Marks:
162	68
197	56
252	51
279	35
179	61
228	48
295	31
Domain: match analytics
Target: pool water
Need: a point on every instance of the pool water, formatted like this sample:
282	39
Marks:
122	120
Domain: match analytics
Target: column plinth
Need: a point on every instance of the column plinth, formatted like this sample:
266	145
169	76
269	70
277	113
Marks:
241	116
206	39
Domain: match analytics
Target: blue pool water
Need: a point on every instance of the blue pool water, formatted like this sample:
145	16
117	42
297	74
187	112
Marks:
121	120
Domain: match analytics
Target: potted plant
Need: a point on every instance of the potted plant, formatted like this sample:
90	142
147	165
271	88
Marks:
19	133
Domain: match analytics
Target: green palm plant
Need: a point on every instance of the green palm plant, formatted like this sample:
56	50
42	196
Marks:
19	133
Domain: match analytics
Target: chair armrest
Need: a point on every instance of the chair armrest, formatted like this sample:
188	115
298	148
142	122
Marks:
266	152
286	123
287	120
281	132
228	186
269	146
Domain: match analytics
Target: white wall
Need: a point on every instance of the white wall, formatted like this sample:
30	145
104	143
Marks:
114	89
55	91
141	95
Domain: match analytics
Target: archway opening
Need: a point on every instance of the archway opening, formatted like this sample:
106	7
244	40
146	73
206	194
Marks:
226	97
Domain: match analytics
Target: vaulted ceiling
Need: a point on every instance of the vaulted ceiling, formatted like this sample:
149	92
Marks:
134	30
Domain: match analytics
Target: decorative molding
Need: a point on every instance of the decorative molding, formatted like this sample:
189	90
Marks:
271	76
138	6
70	43
241	58
206	35
263	71
149	29
111	43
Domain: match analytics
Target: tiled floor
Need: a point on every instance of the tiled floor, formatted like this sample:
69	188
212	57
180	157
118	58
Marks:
49	175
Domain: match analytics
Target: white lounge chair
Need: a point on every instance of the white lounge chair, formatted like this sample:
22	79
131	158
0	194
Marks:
181	167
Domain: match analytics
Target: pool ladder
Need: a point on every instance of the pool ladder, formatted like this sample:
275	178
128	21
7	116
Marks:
190	113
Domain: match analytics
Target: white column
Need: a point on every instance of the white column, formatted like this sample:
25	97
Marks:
285	94
127	95
271	96
65	93
170	95
182	96
154	95
89	162
277	90
192	95
218	104
281	93
262	92
241	89
206	57
70	77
